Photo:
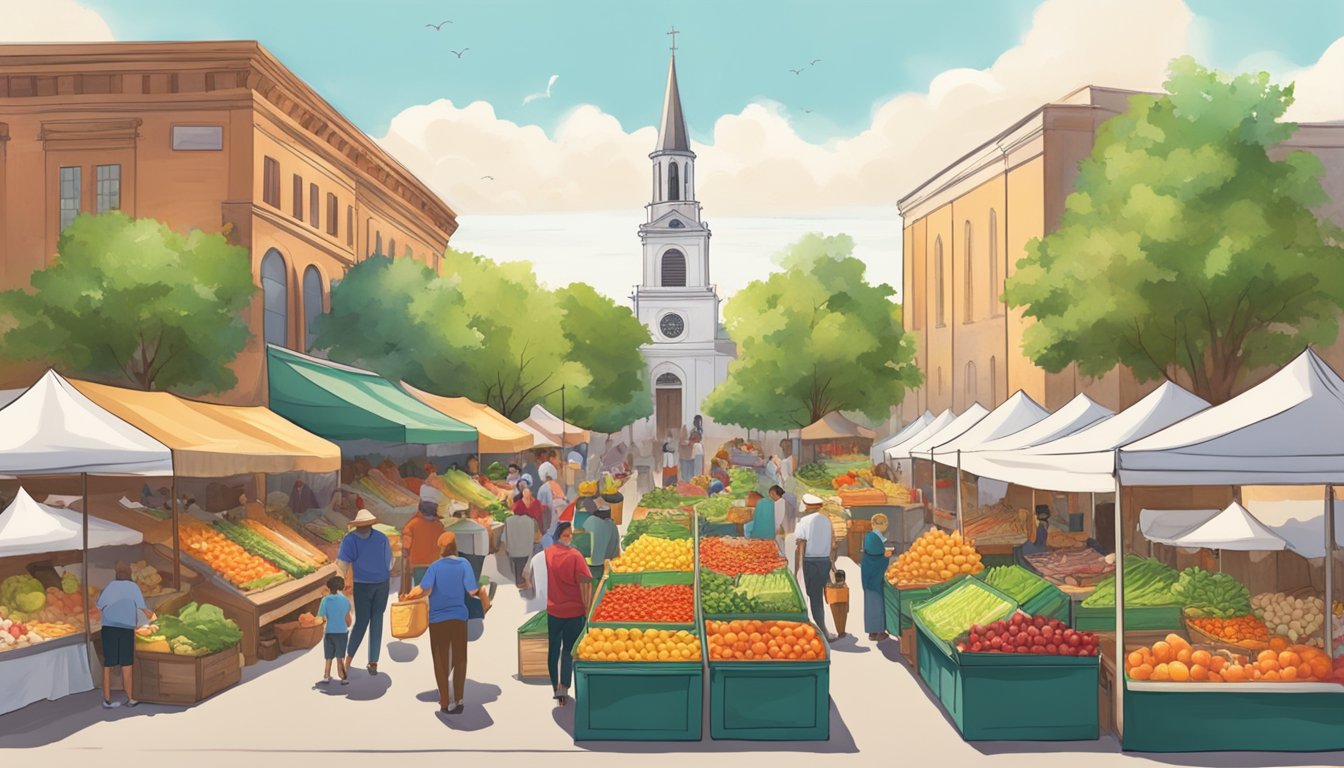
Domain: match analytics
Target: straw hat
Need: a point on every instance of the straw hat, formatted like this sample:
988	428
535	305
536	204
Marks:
811	500
365	517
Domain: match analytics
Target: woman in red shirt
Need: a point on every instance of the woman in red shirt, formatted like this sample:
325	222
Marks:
524	503
566	605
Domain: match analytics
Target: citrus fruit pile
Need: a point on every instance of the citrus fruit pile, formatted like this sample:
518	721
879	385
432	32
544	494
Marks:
606	644
668	604
653	554
934	558
228	559
733	555
1175	660
763	641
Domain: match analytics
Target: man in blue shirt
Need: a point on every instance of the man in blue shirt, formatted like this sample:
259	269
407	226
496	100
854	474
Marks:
123	607
448	583
762	525
365	562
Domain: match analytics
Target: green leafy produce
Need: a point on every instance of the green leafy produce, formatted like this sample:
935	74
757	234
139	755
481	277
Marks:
662	498
658	524
1016	582
816	475
199	627
742	481
497	472
20	590
498	512
262	547
1147	582
719	596
773	592
1216	595
264	582
714	509
464	488
954	612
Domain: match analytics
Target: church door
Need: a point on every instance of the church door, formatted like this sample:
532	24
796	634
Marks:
667	405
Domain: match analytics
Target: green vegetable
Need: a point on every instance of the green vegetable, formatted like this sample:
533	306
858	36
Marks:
816	475
714	509
960	608
497	472
199	626
1147	583
498	512
264	582
1016	582
661	524
465	488
1211	594
662	498
21	584
262	547
719	596
774	592
742	482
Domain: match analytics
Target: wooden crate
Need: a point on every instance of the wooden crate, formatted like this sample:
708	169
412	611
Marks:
908	648
166	678
532	650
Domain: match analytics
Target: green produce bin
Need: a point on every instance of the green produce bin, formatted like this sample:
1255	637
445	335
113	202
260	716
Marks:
718	529
801	614
1218	720
639	701
770	700
1137	618
1050	601
648	579
1010	697
891	606
909	598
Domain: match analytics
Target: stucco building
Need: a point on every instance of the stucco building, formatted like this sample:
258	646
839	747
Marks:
218	136
967	227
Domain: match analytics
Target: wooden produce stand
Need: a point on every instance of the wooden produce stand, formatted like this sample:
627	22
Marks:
254	611
167	678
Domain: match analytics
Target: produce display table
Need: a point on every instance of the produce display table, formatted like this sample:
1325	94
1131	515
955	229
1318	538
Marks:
49	670
639	701
1196	717
770	700
253	611
995	696
166	678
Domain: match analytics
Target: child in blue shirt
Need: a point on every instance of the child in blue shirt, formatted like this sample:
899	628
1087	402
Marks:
335	608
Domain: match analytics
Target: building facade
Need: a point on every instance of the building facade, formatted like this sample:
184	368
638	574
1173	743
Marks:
675	299
216	136
966	228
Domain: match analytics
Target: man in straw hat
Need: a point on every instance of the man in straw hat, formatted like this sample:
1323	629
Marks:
813	541
365	562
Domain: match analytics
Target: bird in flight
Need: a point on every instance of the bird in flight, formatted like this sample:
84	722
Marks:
489	178
439	27
814	62
531	97
807	111
797	71
458	54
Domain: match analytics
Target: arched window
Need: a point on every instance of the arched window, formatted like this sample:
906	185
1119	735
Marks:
675	224
972	395
392	247
674	269
275	298
378	244
668	380
994	290
993	382
968	313
939	317
673	183
312	305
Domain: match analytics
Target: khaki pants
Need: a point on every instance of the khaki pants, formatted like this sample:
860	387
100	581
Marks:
448	645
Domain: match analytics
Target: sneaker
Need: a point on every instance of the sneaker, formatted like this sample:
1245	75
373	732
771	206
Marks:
345	681
457	710
132	703
373	668
111	704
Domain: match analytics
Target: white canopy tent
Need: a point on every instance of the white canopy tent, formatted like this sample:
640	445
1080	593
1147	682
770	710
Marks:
1084	462
1077	415
879	451
1232	528
30	528
902	449
1013	415
954	429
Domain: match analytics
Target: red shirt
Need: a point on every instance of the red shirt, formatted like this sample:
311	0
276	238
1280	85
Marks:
566	573
533	510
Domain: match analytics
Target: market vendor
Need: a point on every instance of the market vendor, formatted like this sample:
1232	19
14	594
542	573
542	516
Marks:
872	570
302	499
252	510
1038	543
762	524
419	539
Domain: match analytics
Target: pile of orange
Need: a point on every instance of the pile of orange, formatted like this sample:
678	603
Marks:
1242	629
227	558
607	644
1175	660
934	558
763	641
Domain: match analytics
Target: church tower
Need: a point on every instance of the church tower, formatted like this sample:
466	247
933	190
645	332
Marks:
675	299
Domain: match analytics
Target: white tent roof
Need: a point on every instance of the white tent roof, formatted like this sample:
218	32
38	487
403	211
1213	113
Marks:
53	429
1078	414
1300	523
1013	415
1084	462
902	449
954	428
553	428
8	396
30	528
879	451
1233	528
1284	431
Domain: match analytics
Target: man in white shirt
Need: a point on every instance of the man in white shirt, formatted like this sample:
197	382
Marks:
814	538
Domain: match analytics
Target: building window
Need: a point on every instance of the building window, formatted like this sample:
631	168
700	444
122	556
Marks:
333	214
107	188
312	305
197	138
667	380
993	381
972	395
275	297
968	314
378	244
994	290
940	381
673	183
350	225
939	318
674	269
314	210
270	182
71	178
392	247
298	197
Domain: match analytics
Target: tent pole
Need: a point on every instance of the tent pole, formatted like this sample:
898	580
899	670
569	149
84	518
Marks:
177	541
84	561
960	523
1092	519
934	470
1330	570
1119	680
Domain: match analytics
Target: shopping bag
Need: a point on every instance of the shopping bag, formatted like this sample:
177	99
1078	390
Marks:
410	618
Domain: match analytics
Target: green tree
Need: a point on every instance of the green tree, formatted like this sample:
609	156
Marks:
604	338
812	339
131	301
1186	247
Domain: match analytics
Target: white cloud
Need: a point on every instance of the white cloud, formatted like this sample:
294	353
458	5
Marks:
1320	88
50	21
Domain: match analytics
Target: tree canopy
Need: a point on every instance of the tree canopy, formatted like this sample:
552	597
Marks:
1186	246
130	301
814	338
605	338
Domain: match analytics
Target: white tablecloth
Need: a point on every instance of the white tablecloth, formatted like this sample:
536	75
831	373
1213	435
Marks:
50	674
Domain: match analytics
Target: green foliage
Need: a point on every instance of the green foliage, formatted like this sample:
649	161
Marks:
130	301
812	339
1210	257
604	338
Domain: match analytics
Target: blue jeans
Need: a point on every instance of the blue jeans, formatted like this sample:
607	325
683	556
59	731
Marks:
816	572
562	636
370	603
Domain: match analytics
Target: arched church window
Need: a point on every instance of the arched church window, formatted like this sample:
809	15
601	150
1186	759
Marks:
675	224
674	269
668	380
673	183
275	299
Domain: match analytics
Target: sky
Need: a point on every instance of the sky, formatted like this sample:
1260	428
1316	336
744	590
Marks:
888	93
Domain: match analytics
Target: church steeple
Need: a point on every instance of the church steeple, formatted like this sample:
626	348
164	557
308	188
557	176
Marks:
672	135
673	161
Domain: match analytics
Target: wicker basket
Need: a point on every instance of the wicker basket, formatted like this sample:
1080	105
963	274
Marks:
410	618
1242	647
293	636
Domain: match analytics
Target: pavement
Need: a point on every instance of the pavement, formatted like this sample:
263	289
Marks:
880	715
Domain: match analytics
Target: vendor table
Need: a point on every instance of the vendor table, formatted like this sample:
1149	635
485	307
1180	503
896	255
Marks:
1197	717
260	609
48	670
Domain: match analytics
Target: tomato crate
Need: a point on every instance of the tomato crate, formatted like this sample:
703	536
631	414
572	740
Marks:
639	701
647	579
770	700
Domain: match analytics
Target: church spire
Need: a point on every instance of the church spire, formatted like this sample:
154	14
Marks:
672	134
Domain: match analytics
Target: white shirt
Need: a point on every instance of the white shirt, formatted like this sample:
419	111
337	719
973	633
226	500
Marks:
698	451
815	529
785	470
669	460
537	577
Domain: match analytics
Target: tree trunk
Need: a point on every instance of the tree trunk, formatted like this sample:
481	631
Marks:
1222	378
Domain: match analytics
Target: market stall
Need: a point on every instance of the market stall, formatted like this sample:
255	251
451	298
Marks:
497	437
1283	690
836	437
52	430
940	430
557	429
879	450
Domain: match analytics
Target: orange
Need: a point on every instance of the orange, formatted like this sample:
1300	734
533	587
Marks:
1161	673
1141	672
1289	659
1270	655
1202	658
1183	655
1278	643
1178	671
1163	652
1199	673
1135	658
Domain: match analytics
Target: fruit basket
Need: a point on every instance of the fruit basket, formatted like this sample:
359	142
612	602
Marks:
1198	635
299	635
